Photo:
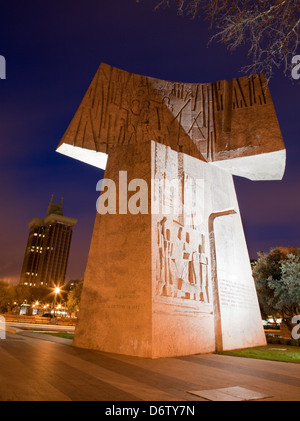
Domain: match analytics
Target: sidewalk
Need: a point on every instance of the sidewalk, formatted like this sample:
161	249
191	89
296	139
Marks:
52	370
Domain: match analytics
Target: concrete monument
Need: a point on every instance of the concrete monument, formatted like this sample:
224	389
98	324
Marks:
168	270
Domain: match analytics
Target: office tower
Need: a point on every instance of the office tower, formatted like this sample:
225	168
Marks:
48	246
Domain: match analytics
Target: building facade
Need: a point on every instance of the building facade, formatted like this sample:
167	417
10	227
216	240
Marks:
47	250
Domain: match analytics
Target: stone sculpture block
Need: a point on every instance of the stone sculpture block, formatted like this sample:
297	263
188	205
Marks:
173	277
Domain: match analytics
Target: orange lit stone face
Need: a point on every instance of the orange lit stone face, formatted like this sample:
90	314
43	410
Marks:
175	279
232	124
202	287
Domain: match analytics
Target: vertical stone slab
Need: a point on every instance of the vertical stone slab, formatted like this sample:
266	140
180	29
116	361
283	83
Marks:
241	324
116	306
183	320
239	315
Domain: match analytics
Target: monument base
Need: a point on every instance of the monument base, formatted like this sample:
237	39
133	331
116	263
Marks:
171	281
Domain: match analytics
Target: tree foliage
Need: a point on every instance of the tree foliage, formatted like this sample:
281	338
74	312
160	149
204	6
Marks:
13	296
270	28
277	279
74	297
5	296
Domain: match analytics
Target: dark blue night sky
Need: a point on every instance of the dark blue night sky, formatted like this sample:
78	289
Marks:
52	50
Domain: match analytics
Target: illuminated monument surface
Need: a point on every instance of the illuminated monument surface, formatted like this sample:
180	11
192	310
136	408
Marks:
174	280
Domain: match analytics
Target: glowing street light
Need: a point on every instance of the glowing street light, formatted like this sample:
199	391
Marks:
56	291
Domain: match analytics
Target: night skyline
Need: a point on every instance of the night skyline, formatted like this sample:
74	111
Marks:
52	52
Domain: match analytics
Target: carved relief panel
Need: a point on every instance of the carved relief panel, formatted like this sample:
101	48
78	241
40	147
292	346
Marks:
180	237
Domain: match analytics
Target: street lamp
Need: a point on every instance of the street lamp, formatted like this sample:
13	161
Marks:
56	291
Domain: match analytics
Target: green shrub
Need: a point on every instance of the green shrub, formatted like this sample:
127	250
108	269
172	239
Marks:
272	339
295	342
284	341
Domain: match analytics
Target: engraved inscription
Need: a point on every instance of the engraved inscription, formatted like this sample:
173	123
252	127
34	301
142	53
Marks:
235	294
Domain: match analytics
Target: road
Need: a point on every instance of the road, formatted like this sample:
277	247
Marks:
40	327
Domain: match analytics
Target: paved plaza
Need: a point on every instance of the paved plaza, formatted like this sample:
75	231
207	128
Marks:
38	367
